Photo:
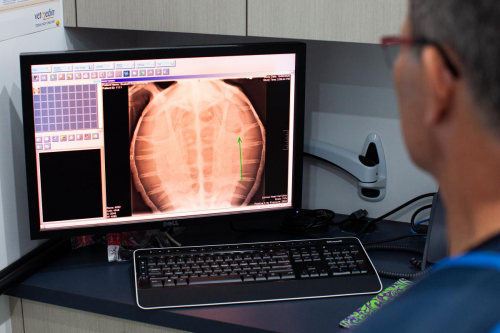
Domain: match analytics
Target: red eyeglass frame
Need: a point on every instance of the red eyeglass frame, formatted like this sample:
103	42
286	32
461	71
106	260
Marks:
388	41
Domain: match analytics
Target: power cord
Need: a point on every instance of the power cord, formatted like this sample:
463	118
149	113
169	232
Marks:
378	219
413	261
415	227
301	222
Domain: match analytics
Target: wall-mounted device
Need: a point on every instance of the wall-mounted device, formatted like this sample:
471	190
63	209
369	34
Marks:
369	167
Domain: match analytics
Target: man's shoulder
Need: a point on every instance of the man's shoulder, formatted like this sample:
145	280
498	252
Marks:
456	299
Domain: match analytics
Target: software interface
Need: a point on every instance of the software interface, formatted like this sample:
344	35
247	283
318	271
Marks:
158	139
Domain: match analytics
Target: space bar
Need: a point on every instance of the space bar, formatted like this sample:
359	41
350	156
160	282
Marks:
214	279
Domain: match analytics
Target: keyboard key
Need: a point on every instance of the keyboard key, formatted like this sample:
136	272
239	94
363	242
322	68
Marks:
338	271
288	275
304	274
214	279
182	282
156	283
273	276
169	283
248	277
260	277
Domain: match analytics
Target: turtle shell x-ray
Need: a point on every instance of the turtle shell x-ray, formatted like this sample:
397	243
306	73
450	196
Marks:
198	145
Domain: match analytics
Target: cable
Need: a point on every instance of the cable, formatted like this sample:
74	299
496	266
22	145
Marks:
367	225
408	276
322	218
170	238
417	224
300	222
394	239
395	248
400	248
414	216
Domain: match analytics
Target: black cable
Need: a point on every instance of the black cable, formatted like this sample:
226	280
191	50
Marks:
394	239
399	248
414	216
406	204
394	248
322	218
408	276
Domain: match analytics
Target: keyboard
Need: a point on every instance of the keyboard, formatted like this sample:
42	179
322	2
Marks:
253	272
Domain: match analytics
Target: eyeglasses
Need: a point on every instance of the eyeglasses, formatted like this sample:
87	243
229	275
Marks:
392	46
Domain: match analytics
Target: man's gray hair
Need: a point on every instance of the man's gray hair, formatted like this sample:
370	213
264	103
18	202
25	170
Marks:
471	28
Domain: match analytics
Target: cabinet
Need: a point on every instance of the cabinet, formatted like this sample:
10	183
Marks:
35	317
221	17
361	21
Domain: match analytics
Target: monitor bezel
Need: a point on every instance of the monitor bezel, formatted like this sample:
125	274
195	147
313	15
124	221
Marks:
29	59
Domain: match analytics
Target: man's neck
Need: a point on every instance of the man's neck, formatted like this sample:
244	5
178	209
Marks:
467	231
470	186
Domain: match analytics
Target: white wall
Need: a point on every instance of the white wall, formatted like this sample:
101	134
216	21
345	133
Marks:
349	94
14	226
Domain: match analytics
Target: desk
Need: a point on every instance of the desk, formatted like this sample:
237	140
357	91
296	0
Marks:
83	280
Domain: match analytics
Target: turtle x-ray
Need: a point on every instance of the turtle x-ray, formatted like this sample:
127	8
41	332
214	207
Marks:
195	145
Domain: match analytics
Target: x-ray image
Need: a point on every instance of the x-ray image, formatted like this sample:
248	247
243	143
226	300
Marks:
195	145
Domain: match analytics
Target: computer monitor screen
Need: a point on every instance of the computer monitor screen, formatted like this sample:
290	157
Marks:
137	139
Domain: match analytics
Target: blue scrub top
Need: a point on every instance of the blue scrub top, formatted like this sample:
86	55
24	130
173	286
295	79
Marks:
461	296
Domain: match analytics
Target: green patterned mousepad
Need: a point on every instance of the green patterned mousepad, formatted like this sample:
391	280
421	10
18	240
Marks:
376	303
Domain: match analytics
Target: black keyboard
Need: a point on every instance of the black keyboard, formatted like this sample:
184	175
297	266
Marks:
255	272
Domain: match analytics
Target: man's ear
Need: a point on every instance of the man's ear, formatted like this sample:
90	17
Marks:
440	84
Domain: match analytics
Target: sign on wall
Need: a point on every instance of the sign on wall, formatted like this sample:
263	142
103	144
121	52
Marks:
22	17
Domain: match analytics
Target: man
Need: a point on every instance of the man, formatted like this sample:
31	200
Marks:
447	79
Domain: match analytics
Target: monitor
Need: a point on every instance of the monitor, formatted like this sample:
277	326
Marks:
149	138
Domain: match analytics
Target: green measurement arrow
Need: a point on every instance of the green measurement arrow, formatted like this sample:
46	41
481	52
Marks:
241	161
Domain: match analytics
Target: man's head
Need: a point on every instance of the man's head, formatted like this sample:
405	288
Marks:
436	105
